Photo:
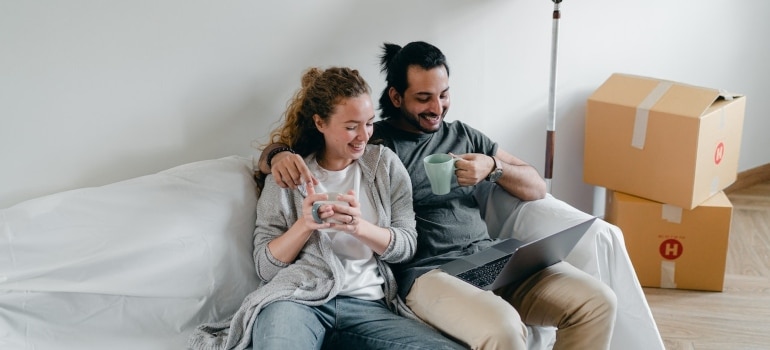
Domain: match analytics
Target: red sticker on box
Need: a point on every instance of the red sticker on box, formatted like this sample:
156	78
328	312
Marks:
671	249
719	153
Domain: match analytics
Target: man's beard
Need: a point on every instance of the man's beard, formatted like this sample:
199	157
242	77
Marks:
415	121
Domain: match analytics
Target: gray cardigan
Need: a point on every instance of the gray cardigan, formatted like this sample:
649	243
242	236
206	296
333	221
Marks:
313	278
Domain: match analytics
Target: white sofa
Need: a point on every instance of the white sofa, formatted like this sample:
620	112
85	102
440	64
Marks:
138	264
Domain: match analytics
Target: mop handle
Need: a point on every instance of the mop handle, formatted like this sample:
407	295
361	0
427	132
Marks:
550	145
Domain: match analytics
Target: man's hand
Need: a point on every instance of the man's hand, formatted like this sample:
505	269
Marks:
289	170
472	168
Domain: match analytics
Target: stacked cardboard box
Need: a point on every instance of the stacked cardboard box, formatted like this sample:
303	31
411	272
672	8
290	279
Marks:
665	151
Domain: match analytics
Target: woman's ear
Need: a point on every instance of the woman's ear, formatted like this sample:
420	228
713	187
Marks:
319	123
395	97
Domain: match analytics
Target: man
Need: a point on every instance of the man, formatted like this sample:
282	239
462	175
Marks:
414	104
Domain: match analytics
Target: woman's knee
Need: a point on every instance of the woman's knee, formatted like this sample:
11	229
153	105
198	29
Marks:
286	310
285	322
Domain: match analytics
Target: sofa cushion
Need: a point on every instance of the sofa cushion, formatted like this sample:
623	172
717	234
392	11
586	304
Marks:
136	264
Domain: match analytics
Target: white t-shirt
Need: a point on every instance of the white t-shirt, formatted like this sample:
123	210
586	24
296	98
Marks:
362	278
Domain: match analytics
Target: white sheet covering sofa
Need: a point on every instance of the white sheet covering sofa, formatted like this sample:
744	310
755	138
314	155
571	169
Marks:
138	264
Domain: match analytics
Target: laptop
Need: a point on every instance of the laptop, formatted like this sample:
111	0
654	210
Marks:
512	261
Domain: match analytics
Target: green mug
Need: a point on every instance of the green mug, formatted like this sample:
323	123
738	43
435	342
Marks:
440	168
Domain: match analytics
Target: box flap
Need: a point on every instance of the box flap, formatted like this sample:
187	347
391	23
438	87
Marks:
661	95
719	200
727	96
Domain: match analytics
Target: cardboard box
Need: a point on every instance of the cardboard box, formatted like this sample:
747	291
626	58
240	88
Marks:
672	247
661	140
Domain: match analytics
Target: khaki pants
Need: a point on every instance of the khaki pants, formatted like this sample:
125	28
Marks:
581	307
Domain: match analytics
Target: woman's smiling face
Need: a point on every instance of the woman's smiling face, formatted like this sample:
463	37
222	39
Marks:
346	131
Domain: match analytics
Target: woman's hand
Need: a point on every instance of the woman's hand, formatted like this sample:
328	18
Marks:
324	212
348	216
287	246
375	237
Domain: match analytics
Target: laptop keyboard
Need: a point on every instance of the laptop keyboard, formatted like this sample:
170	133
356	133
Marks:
484	275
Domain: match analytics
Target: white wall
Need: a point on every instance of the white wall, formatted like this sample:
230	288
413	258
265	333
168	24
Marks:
93	92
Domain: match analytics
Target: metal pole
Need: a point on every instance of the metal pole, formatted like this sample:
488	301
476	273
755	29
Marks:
550	142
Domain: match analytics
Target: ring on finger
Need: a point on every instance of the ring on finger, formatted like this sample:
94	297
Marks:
351	219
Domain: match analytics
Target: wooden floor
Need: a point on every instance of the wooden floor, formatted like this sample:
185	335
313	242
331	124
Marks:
739	317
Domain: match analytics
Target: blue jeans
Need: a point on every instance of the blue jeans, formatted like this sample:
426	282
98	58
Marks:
342	323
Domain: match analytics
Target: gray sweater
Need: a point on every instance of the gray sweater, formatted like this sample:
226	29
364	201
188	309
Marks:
313	278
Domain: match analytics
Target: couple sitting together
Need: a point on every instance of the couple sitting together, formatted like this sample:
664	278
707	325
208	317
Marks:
364	275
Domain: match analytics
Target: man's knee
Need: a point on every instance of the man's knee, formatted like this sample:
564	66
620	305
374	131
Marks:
509	334
476	317
607	301
600	305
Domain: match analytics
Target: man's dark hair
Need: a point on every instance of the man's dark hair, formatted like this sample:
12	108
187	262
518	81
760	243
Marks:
395	62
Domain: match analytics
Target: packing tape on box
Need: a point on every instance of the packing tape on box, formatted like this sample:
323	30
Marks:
671	213
643	113
667	274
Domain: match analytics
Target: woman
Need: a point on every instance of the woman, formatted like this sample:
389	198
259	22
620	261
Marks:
327	282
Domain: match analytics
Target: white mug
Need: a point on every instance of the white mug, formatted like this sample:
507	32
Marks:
332	199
